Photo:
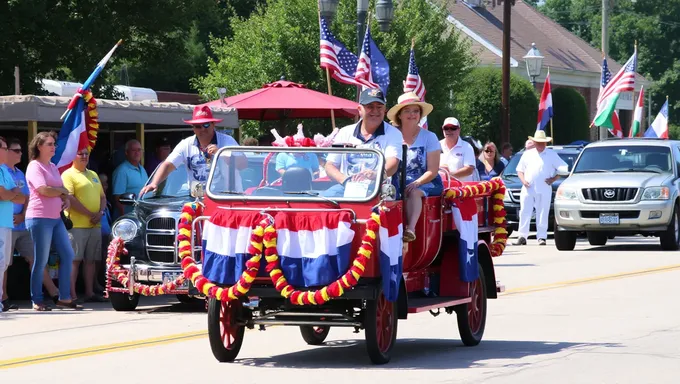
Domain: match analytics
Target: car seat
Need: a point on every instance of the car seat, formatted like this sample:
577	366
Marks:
659	160
297	179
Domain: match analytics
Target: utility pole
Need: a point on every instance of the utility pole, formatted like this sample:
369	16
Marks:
604	133
505	91
17	81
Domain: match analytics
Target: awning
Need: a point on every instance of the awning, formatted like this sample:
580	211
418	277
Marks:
50	109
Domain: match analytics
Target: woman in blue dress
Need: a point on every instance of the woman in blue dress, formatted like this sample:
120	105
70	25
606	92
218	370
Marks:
422	161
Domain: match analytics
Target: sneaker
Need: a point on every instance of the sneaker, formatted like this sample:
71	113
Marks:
520	241
541	241
9	307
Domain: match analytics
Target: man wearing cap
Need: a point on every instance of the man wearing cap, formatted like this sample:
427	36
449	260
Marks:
457	155
537	170
196	152
370	132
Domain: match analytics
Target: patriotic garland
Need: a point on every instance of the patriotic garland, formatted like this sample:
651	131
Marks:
497	188
91	119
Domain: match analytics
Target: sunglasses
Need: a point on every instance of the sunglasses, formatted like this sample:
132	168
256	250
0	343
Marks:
490	151
450	128
204	125
16	150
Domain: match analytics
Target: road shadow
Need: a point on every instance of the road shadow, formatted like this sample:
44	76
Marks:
513	265
192	307
626	244
416	354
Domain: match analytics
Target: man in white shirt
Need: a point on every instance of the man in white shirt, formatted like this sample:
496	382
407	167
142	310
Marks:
457	155
537	170
370	132
196	152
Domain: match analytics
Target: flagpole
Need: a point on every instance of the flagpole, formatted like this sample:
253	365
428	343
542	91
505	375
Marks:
328	77
551	131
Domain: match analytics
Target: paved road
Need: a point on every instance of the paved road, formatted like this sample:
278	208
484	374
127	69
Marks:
596	315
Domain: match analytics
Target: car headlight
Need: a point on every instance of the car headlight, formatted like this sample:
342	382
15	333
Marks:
656	193
507	198
565	193
126	229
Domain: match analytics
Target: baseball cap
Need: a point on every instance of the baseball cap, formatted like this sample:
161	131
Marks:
451	121
163	142
371	95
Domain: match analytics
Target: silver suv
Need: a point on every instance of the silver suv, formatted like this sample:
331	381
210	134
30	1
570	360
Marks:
621	188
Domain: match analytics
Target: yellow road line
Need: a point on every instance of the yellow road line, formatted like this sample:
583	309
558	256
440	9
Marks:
588	280
169	339
100	349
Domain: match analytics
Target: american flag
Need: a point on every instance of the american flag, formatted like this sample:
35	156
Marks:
339	60
373	70
413	81
624	81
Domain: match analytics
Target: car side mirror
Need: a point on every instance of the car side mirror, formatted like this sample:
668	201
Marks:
388	192
563	171
127	198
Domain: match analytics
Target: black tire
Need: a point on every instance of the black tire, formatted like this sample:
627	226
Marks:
597	238
564	240
123	302
314	335
472	316
670	238
221	329
380	324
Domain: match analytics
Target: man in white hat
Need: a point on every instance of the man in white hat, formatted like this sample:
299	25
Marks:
537	170
457	155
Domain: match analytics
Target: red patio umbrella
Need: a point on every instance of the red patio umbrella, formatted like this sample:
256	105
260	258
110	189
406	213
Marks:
287	100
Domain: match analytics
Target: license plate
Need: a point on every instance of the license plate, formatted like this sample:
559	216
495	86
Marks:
609	218
253	302
172	276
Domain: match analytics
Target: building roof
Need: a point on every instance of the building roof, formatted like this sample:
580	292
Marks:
50	109
563	51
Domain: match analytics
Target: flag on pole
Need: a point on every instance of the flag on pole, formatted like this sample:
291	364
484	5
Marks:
80	127
335	57
623	81
414	83
659	127
373	71
545	106
637	115
464	213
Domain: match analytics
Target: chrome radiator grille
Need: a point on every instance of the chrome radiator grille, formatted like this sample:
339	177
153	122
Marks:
161	240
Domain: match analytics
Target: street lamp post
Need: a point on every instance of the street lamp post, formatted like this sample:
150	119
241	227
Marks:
534	61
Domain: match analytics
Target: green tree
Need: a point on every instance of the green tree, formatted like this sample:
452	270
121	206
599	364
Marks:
478	107
283	39
570	119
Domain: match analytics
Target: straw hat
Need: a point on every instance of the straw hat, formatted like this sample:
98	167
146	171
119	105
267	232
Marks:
540	137
409	98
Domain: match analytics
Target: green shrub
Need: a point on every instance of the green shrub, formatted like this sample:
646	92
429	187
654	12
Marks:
478	107
570	119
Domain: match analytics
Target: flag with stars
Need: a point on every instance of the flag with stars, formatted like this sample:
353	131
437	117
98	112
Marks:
373	70
465	217
391	251
335	57
414	83
610	90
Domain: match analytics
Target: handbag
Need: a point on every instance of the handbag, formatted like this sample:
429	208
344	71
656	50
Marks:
67	221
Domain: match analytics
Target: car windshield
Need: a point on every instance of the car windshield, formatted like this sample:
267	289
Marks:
176	185
622	158
511	168
294	173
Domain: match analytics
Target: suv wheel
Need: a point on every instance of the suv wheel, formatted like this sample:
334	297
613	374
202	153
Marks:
670	238
597	238
564	240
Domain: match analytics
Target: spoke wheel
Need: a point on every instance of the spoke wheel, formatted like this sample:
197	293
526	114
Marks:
314	335
225	335
472	317
380	322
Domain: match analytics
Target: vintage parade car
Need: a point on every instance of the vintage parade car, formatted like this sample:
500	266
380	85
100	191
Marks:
306	251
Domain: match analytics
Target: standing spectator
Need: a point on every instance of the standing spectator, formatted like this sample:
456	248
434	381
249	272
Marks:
492	165
47	199
506	153
21	239
457	155
537	170
129	176
87	209
9	194
163	149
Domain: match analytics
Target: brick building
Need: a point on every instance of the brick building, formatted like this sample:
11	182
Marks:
573	63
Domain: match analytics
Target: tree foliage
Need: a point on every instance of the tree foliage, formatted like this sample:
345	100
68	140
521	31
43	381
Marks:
478	107
654	24
282	39
570	120
164	41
